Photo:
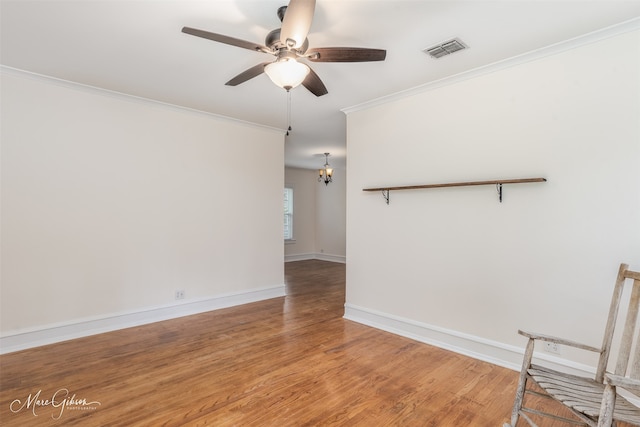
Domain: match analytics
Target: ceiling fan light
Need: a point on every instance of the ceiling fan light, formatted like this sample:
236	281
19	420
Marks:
287	73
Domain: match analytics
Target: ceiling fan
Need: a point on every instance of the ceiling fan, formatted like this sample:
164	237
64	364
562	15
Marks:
289	44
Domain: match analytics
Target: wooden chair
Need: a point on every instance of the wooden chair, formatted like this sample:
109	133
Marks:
594	401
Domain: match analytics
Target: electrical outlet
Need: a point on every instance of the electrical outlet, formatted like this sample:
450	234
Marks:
552	347
180	294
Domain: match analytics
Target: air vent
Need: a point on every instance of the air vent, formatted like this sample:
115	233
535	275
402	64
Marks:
446	48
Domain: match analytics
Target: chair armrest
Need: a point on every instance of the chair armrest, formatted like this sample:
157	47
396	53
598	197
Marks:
624	382
557	340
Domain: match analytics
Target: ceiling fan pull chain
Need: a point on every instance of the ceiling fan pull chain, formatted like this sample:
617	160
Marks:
288	112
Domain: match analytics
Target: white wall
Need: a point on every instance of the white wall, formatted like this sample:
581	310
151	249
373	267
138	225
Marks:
110	204
319	224
331	216
303	182
456	268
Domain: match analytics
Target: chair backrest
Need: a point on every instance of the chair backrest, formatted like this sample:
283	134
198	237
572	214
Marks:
628	362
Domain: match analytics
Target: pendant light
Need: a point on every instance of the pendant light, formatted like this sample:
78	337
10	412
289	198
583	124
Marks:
327	172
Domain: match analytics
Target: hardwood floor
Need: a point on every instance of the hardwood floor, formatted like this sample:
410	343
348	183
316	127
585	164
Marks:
291	361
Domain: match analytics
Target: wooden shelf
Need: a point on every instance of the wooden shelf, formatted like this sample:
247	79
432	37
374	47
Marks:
497	182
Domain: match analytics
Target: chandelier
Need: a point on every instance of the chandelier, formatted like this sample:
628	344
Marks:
326	172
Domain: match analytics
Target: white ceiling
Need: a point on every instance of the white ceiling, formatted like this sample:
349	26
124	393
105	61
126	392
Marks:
136	47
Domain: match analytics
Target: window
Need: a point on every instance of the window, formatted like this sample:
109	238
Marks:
288	213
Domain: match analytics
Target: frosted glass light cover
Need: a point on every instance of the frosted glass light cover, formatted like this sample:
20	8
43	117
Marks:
287	73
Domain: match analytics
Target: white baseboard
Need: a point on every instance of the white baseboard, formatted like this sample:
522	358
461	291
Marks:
321	256
49	334
494	352
299	257
332	258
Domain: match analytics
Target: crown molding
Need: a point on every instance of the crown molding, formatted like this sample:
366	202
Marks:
592	37
126	97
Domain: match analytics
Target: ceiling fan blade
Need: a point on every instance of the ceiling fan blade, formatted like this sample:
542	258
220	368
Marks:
313	83
346	54
297	22
226	39
252	72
